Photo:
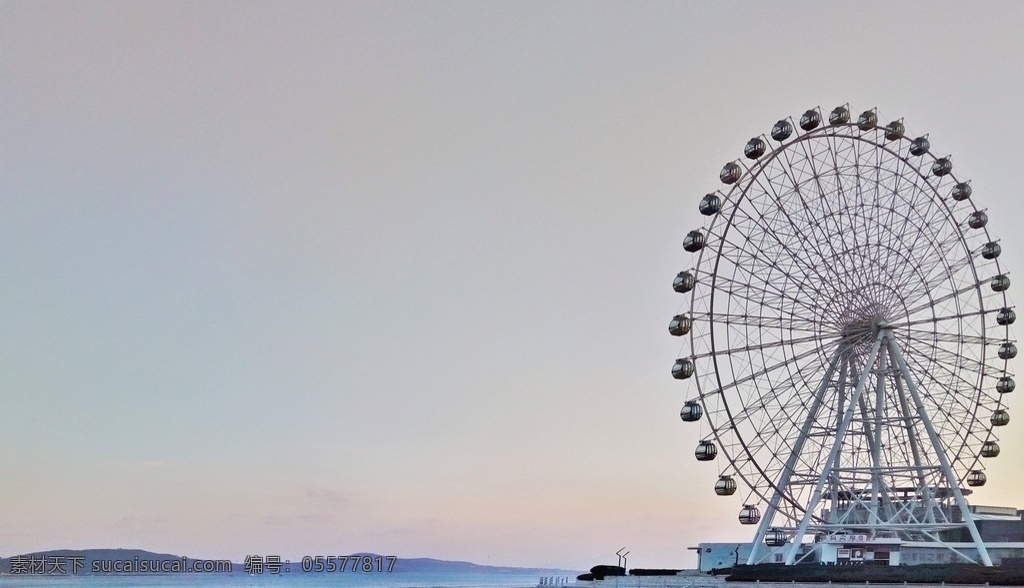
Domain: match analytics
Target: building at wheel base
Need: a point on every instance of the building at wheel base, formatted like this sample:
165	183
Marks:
1001	529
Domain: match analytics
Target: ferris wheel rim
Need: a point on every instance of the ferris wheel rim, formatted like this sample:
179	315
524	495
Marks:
751	173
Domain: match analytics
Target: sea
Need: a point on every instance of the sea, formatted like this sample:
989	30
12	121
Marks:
287	580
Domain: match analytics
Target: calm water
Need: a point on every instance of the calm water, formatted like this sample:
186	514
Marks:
298	579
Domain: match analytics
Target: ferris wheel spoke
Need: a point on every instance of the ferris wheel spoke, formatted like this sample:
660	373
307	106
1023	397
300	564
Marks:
943	269
939	237
758	346
778	434
892	252
965	364
761	322
957	402
760	410
929	237
786	252
770	188
944	337
881	228
899	264
948	296
939	319
737	289
807	245
933	218
766	370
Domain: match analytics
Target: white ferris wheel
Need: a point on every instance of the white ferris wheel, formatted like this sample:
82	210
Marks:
845	335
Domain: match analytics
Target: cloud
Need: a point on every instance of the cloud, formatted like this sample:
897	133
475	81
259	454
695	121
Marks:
327	495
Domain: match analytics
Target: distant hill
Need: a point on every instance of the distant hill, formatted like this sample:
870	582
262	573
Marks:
137	561
425	564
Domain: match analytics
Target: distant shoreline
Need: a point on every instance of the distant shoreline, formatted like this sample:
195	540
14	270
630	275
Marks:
133	562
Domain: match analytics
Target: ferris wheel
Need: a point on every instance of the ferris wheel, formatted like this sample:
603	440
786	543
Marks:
845	335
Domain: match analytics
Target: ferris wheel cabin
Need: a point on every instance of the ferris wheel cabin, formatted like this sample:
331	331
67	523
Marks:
692	412
725	486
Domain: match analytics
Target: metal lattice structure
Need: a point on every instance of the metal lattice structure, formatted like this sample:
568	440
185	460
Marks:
847	334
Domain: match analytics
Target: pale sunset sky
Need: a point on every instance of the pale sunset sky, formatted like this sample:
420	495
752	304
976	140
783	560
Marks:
311	278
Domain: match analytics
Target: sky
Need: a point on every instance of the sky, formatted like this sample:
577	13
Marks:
324	277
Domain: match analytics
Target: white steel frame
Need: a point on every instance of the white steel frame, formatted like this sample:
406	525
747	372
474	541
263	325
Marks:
896	518
846	305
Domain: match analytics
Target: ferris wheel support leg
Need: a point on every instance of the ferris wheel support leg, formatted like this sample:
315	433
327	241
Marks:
794	455
840	411
915	450
833	454
876	441
908	423
947	470
868	423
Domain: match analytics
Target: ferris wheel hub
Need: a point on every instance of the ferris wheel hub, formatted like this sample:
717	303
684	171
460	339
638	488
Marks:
864	327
